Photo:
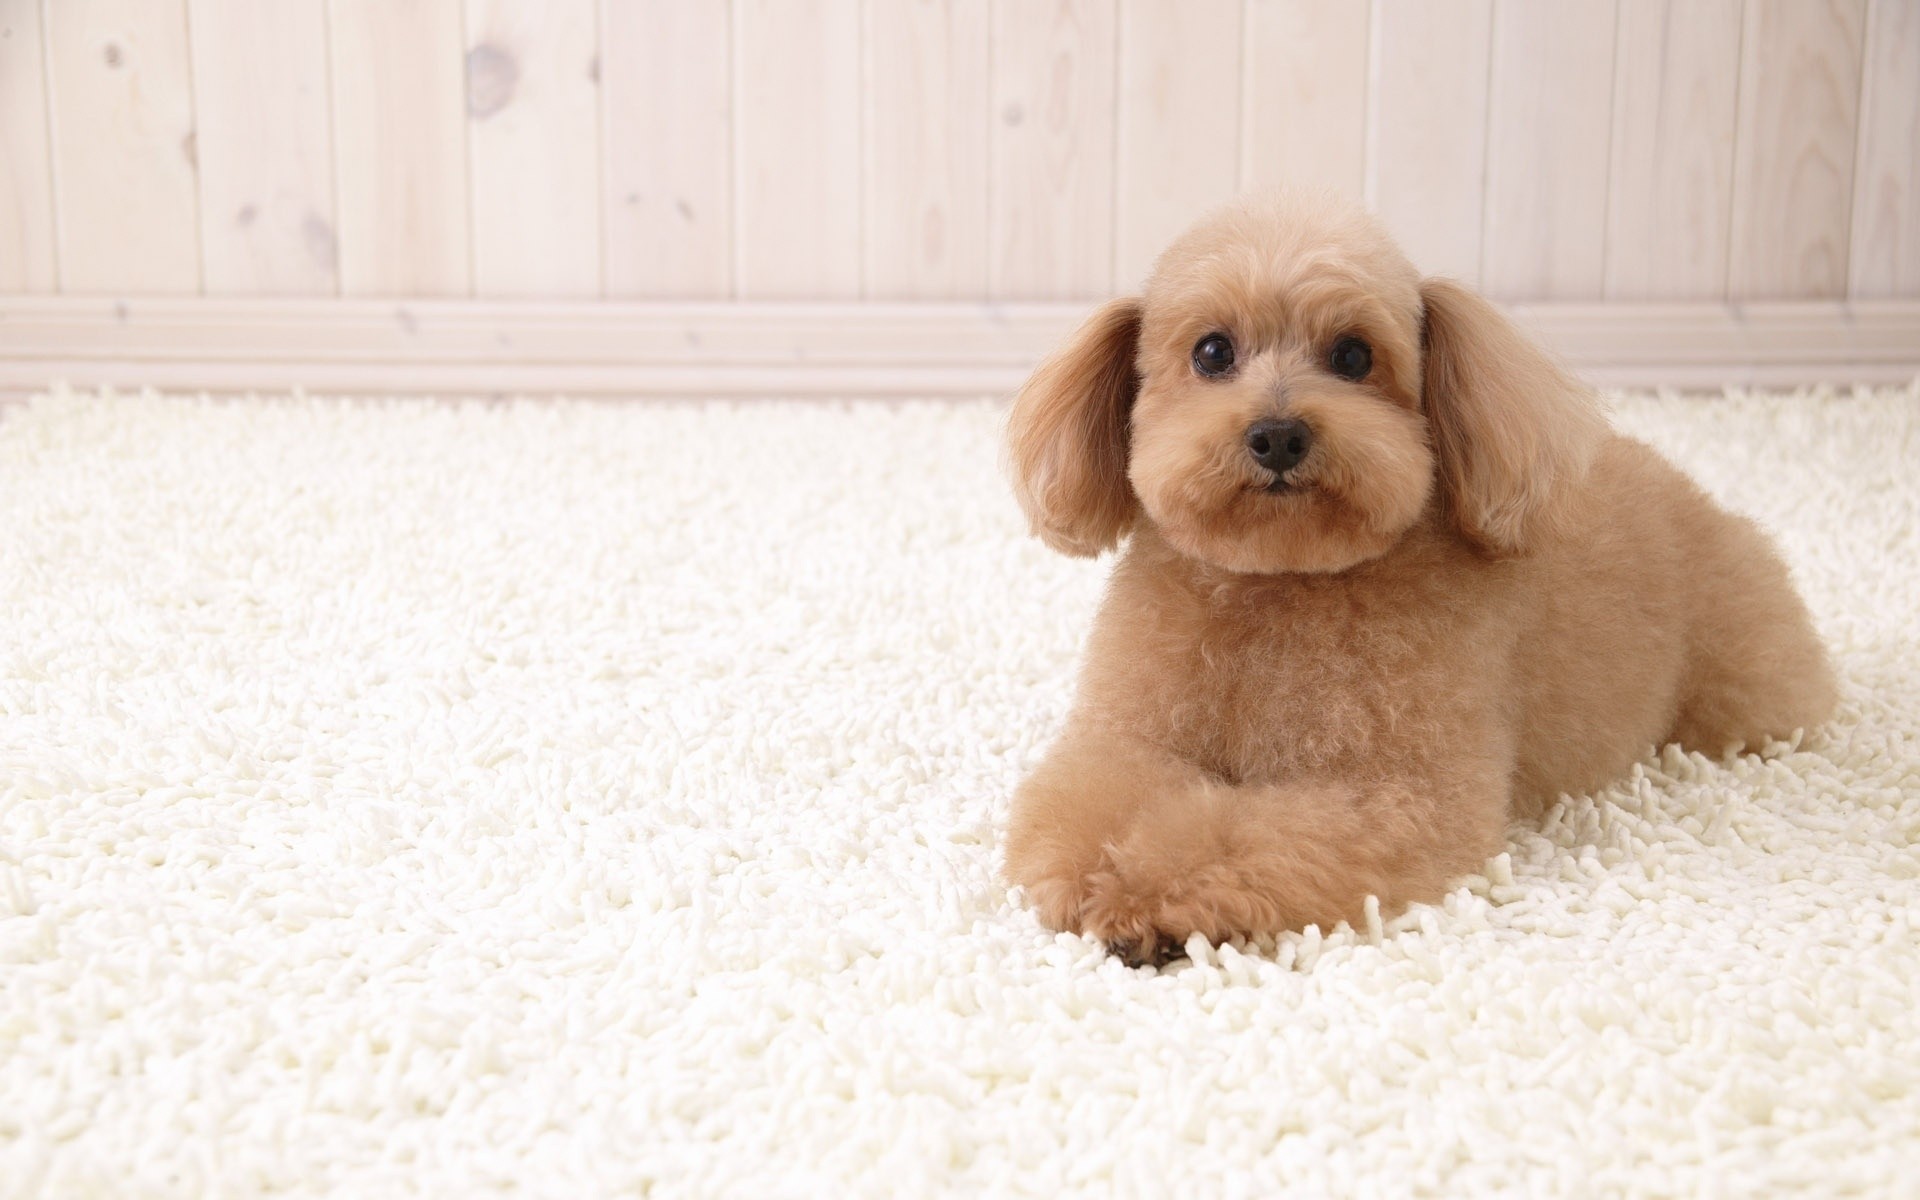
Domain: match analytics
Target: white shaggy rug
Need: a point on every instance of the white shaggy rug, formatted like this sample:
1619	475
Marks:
581	799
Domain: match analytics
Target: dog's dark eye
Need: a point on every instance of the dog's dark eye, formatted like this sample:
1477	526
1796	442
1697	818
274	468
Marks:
1213	354
1351	359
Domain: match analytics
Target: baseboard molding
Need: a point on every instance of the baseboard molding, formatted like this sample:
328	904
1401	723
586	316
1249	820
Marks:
493	348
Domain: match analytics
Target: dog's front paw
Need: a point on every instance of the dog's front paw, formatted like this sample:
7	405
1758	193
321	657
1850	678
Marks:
1098	904
1057	897
1145	917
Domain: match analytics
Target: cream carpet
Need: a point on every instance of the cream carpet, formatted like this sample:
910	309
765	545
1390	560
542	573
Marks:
579	799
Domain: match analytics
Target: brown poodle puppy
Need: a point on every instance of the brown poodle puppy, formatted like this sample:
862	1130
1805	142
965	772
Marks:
1388	575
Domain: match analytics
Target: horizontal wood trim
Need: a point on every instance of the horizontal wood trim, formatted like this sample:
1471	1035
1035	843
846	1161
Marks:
474	347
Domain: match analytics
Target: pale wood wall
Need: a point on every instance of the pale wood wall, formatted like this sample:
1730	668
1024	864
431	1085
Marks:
945	149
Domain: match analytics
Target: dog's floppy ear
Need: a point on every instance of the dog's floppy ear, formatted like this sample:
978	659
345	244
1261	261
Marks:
1513	433
1067	435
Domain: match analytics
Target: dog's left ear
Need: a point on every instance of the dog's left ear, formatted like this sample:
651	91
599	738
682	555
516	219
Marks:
1067	435
1512	431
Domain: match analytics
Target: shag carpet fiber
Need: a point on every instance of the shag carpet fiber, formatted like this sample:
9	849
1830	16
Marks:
583	799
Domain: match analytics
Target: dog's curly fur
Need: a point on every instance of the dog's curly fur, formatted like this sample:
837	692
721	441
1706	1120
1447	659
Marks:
1469	597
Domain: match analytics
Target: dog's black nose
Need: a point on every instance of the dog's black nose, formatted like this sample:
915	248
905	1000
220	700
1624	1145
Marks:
1279	445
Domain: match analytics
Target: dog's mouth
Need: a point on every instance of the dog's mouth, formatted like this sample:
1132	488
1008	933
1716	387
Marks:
1292	482
1295	480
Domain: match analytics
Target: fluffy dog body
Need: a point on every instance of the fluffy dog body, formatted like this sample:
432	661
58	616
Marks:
1333	670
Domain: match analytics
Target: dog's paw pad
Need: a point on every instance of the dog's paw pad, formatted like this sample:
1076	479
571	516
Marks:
1153	951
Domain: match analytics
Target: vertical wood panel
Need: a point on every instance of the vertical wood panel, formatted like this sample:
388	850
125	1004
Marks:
1304	120
667	126
123	147
1793	162
947	149
400	147
1670	185
1550	101
926	172
797	216
265	146
1886	180
27	262
1427	130
1051	210
533	123
1179	123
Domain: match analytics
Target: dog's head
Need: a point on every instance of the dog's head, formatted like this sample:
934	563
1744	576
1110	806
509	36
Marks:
1287	394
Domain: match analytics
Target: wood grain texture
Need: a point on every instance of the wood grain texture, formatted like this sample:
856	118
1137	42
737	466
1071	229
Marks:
1178	139
946	149
680	349
533	129
125	182
265	147
797	218
1793	159
400	147
1885	253
27	259
1051	209
927	116
1427	130
1305	95
666	116
1670	179
1550	103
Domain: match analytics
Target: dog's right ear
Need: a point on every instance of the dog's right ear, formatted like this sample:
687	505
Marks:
1067	435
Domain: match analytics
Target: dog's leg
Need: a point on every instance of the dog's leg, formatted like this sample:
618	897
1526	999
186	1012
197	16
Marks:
1222	860
1128	844
1082	797
1756	670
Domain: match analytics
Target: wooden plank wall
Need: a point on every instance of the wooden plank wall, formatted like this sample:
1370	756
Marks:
945	149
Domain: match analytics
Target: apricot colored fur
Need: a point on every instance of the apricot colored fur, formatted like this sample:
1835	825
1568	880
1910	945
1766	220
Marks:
1476	596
